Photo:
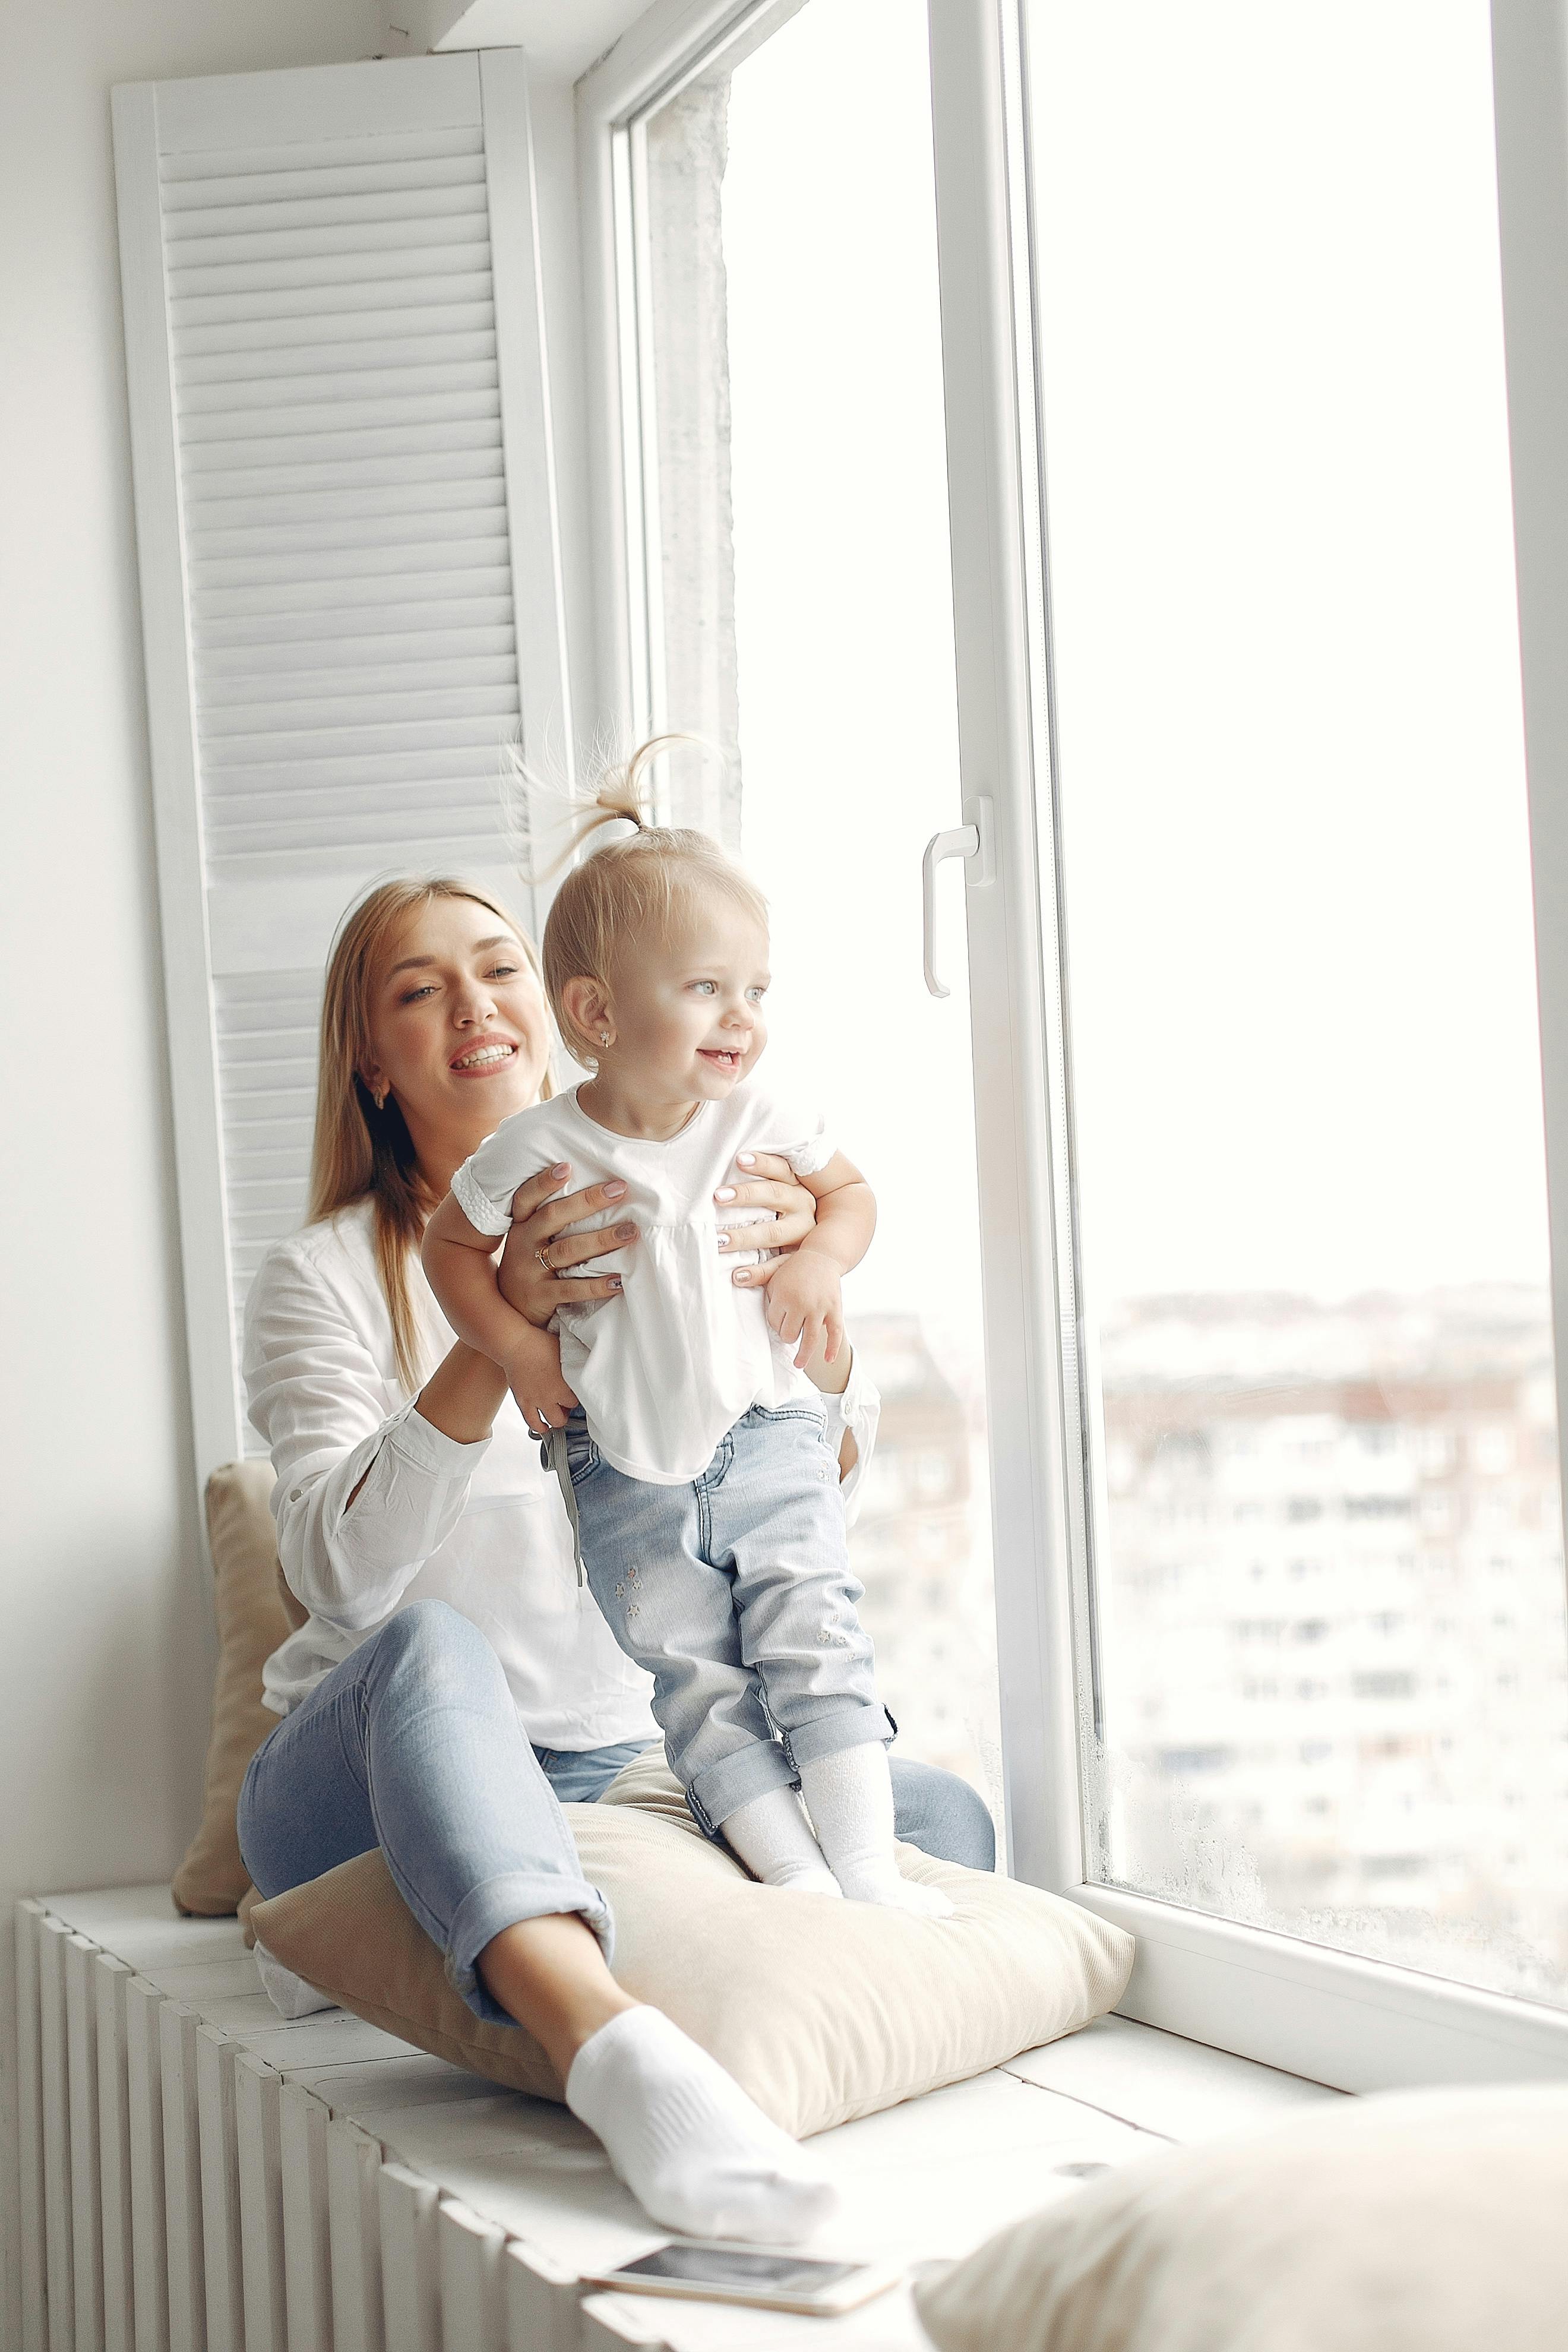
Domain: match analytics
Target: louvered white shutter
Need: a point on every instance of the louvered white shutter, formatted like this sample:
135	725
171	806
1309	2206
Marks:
350	570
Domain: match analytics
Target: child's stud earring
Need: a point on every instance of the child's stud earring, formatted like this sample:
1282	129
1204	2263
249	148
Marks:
603	1036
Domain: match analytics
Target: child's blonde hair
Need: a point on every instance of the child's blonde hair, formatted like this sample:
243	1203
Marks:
625	888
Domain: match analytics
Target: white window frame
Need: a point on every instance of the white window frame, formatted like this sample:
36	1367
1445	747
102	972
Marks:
662	51
1359	2024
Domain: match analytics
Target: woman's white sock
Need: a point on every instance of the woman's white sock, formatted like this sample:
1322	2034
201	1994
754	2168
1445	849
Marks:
694	2150
850	1796
291	1996
773	1839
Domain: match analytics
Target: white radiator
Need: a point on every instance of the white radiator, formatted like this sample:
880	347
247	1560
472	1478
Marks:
198	2177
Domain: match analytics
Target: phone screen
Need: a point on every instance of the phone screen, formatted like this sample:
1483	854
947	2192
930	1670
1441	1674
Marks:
735	2266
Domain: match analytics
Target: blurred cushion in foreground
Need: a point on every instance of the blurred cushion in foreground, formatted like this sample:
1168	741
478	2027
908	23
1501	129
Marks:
822	2010
255	1611
1416	2221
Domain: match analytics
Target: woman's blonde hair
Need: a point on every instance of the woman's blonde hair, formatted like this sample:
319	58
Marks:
645	881
361	1151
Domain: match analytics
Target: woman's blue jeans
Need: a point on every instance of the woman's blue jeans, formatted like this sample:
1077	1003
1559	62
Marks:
413	1744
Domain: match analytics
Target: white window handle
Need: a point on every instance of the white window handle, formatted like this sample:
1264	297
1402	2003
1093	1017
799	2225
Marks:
970	841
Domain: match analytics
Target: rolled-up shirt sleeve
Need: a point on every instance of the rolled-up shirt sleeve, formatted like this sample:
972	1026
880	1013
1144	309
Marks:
483	1186
319	1400
855	1413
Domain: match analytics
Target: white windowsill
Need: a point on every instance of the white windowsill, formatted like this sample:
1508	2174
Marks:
1361	2025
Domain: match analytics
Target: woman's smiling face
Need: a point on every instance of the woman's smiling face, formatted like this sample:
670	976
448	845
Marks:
459	1030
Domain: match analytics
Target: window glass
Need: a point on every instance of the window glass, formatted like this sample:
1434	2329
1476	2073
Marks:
1326	1628
800	612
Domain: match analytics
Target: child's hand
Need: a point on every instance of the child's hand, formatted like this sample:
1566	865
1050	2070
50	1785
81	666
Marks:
805	1304
536	1380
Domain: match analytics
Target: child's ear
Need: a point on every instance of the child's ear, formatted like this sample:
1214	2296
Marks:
587	1012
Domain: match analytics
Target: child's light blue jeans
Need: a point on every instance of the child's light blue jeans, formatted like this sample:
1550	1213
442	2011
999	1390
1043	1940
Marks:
413	1744
735	1593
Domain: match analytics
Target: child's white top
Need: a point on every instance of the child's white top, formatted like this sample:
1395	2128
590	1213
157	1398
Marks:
663	1371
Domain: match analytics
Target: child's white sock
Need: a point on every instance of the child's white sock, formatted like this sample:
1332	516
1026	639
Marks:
850	1798
773	1839
694	2150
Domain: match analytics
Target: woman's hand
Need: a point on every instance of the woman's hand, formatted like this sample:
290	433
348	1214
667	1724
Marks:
540	1211
535	1272
762	1181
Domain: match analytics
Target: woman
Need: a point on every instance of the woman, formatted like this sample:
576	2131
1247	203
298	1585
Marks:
454	1683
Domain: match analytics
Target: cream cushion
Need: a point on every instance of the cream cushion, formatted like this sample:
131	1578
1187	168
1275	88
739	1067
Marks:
822	2010
255	1613
1423	2221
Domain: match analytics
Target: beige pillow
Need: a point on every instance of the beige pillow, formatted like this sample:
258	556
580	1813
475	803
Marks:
246	1905
1425	2222
822	2010
255	1612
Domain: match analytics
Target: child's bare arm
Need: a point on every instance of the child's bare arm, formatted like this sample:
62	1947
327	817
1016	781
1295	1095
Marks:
462	1270
804	1302
846	1214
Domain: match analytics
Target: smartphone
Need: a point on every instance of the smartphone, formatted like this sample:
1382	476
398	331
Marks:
705	2271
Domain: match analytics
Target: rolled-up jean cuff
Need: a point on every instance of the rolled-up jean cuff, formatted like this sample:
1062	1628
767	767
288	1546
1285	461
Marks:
851	1725
721	1789
502	1902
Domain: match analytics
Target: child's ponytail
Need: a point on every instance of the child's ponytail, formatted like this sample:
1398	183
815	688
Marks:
622	795
622	791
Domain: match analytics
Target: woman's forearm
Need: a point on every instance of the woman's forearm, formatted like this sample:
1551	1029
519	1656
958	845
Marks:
830	1379
363	1497
352	1534
463	1395
461	1399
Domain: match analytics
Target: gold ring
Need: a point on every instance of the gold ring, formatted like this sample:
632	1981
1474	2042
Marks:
544	1261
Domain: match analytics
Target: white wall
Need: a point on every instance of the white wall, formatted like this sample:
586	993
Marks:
103	1662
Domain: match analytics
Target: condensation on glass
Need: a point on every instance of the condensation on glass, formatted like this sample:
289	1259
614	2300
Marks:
1325	1604
799	614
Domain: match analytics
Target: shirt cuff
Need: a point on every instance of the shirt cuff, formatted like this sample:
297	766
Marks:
485	1215
859	1395
810	1158
836	1420
419	1440
855	1408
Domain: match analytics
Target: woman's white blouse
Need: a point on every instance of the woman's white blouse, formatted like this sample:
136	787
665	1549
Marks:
481	1527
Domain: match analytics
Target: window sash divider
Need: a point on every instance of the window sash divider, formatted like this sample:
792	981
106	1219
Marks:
1013	995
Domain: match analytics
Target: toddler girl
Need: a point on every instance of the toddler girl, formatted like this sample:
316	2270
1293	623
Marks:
689	1442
